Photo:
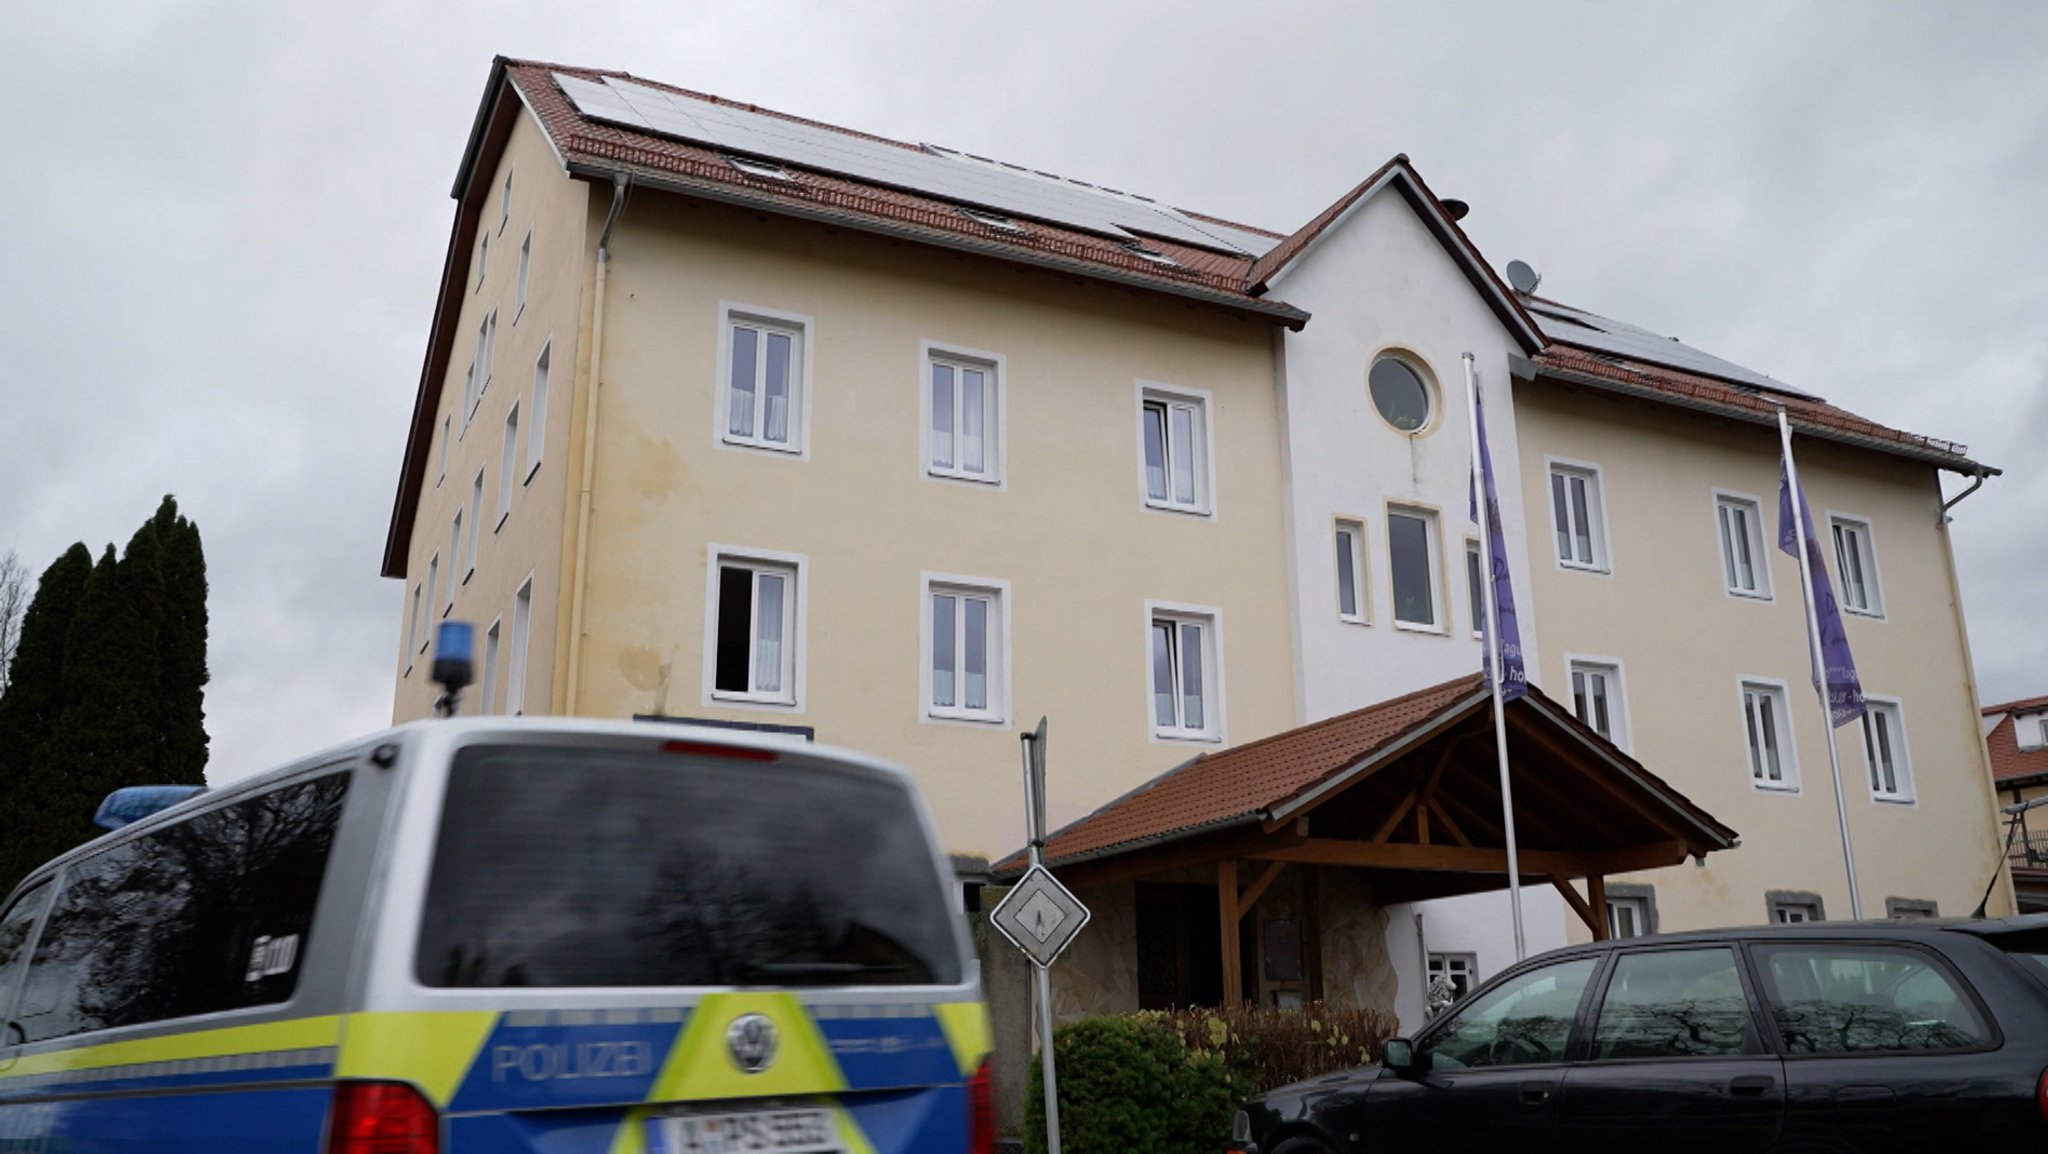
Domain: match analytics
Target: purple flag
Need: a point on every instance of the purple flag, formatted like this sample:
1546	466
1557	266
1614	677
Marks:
1845	692
1516	683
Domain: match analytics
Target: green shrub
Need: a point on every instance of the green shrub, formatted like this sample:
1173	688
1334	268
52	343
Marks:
1130	1085
1264	1047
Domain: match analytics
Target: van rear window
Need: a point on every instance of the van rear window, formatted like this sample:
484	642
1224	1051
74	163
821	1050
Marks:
210	913
568	866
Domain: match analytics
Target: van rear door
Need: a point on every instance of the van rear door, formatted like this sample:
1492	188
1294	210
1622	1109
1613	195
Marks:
695	947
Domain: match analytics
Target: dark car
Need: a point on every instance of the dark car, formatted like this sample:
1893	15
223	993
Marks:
1910	1035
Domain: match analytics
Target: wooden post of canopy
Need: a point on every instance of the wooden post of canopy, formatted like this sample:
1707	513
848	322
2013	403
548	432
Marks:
1596	897
1226	914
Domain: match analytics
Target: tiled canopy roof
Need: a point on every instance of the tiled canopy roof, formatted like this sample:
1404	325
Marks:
1268	777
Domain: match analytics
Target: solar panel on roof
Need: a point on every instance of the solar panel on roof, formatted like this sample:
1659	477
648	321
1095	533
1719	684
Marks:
932	171
1571	326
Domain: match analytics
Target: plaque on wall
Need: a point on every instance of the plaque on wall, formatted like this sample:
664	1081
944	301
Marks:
1282	950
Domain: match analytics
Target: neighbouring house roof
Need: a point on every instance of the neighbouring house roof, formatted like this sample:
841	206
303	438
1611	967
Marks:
1192	256
2009	763
1269	779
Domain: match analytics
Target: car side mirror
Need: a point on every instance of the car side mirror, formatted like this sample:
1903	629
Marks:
1399	1056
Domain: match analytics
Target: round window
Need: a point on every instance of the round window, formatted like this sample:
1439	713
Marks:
1399	394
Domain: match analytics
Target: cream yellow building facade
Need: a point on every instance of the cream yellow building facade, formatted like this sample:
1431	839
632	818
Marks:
711	437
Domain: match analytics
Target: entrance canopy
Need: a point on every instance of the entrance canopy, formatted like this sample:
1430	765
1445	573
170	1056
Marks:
1408	790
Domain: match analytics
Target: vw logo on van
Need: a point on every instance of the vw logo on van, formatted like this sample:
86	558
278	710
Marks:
751	1038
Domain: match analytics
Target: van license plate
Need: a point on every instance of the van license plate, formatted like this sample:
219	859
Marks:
755	1132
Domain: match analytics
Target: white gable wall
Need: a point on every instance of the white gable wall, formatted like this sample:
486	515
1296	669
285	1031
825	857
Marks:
1375	281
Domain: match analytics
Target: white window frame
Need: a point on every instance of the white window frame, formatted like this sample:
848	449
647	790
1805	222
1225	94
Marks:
1361	576
525	265
413	620
1204	437
1476	557
483	261
798	566
447	434
1788	746
2030	730
537	415
508	467
1873	578
1902	755
433	587
480	368
1439	609
1809	911
997	592
1596	513
476	513
1441	963
522	642
505	203
1612	668
803	331
1214	700
1762	546
456	576
1639	910
995	413
487	701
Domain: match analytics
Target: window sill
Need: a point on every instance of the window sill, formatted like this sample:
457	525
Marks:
1353	619
1183	510
934	713
502	518
1866	614
530	473
447	609
1892	799
1415	627
1197	737
1781	787
517	313
1751	594
1586	567
732	442
465	579
724	697
936	473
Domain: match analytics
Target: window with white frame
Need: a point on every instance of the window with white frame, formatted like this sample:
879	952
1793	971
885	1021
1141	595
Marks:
1856	560
1628	917
1596	698
525	262
489	701
1475	585
483	260
1458	971
447	429
964	661
764	385
480	369
1771	761
1175	432
433	587
476	516
505	203
754	639
1795	909
412	625
1884	751
537	412
1350	544
1412	564
456	573
508	465
2030	730
1185	701
469	395
1745	561
961	436
1577	515
522	630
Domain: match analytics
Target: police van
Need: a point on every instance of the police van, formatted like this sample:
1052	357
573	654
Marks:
505	935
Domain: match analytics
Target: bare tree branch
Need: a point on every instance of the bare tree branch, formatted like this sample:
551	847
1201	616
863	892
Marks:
14	595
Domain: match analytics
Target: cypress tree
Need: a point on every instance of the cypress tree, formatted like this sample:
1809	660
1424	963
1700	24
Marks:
181	647
106	734
28	712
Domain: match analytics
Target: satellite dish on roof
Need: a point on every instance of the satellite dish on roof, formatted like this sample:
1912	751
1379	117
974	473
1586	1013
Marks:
1455	209
1522	277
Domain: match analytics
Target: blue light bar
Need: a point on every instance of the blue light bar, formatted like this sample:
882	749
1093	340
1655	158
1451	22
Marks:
454	655
130	805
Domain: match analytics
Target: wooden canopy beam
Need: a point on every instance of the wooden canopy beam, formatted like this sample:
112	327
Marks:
1655	815
1469	859
1578	904
1253	892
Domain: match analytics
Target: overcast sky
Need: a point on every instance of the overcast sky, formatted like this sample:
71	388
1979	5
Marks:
221	226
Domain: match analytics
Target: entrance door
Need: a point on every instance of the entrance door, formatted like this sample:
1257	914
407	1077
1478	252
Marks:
1491	1072
1179	959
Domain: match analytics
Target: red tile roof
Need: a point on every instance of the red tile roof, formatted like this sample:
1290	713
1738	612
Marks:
2010	763
1253	781
1562	361
2020	706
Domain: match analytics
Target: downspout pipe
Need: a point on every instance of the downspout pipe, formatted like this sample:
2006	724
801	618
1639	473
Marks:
579	580
1976	483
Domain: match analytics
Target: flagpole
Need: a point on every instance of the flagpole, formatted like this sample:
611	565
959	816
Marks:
1820	675
1500	730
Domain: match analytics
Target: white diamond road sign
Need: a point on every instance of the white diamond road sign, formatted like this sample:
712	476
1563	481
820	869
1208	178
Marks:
1040	916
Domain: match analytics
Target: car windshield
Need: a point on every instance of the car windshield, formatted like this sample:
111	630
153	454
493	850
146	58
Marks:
577	867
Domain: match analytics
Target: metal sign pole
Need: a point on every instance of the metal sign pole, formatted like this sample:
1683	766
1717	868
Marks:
1499	678
1034	820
